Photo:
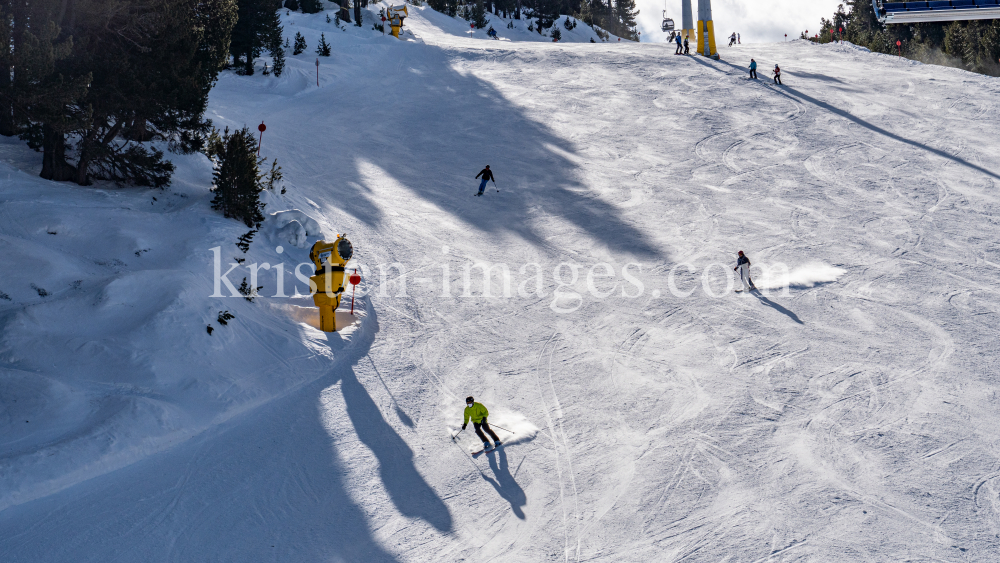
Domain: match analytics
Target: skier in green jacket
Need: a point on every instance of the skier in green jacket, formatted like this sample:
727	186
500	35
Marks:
478	413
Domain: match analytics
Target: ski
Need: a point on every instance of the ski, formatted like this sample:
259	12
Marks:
481	450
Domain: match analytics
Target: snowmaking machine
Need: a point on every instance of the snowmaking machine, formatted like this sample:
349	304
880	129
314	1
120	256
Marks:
396	15
330	259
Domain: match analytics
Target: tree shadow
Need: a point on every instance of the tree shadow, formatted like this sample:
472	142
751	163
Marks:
776	307
504	484
814	76
264	486
408	490
787	92
427	130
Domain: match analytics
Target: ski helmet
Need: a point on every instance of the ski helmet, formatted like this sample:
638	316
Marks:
469	400
741	253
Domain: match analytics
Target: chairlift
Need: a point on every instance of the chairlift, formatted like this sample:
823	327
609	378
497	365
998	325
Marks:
668	23
936	10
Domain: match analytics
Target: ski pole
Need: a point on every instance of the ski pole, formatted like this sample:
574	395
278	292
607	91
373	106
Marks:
459	432
502	428
495	186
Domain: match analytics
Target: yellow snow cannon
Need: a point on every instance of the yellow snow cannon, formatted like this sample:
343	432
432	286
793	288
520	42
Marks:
396	16
329	259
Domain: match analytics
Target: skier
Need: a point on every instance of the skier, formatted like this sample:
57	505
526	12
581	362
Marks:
732	39
478	413
492	32
777	74
680	45
487	175
753	69
738	42
687	47
743	267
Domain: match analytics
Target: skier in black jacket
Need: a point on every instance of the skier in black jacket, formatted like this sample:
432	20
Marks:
487	175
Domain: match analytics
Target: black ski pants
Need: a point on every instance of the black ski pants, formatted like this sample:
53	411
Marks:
777	79
480	426
680	49
753	73
687	50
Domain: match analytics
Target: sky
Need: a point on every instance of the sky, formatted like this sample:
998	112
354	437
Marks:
757	21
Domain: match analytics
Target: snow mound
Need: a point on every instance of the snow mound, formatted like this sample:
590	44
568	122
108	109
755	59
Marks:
292	226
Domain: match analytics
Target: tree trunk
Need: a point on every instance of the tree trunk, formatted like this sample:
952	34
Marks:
54	165
357	13
248	65
517	10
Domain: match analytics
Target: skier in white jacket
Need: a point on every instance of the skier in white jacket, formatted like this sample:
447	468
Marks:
743	267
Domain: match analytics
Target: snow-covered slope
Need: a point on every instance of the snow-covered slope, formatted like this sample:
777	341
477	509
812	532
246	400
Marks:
658	416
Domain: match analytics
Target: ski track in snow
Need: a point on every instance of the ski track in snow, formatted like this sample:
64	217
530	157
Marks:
851	418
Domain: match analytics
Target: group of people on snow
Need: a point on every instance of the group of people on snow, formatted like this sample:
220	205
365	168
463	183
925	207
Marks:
776	72
734	39
682	48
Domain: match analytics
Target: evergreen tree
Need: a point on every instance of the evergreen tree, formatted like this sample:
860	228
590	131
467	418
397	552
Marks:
34	89
311	6
256	29
626	12
478	15
323	49
237	181
278	56
556	34
292	4
300	44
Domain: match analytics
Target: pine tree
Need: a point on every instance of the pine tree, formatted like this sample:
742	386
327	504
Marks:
626	12
277	55
311	6
237	181
300	44
323	49
256	29
556	34
478	15
34	91
292	5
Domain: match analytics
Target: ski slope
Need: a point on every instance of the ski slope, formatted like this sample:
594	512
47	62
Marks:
848	413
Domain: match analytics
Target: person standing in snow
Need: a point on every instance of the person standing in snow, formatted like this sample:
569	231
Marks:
753	69
777	75
478	413
743	267
487	175
687	46
738	42
680	45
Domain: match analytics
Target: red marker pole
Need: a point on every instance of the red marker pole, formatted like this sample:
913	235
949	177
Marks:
841	35
317	72
899	47
355	279
261	128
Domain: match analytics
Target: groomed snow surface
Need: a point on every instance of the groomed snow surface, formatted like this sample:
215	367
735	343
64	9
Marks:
847	413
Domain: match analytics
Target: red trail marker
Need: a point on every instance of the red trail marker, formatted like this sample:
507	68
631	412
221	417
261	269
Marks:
355	279
261	128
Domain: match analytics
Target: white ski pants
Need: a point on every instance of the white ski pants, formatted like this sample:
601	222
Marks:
744	270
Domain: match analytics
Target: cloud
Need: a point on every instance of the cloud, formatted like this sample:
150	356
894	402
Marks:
757	21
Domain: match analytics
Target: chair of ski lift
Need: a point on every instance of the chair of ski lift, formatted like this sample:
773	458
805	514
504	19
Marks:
667	25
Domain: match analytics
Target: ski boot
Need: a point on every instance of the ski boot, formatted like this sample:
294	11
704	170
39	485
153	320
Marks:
497	444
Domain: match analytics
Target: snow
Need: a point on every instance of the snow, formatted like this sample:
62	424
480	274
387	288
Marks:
657	415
